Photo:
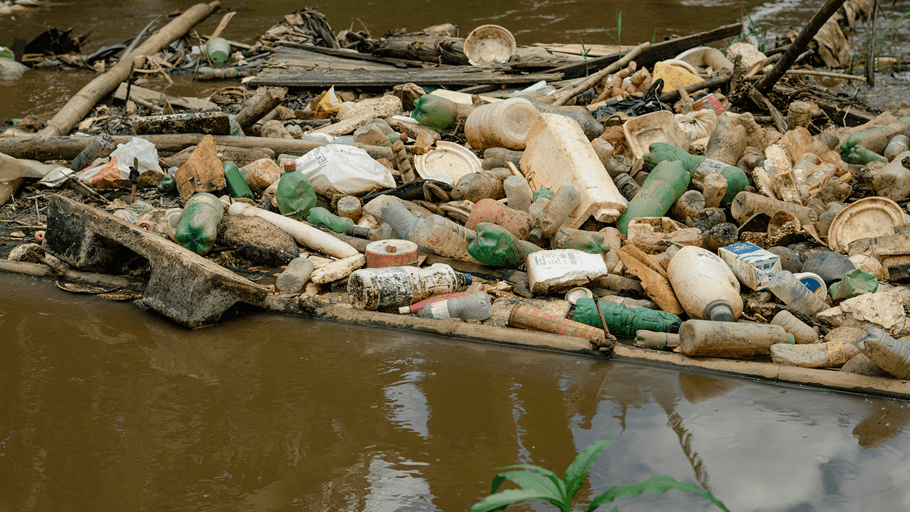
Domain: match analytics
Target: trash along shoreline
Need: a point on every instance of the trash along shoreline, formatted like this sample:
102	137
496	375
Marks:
714	209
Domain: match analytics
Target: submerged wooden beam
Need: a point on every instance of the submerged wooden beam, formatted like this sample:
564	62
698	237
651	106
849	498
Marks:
456	76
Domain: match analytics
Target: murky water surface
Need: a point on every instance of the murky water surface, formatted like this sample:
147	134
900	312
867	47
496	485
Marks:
104	406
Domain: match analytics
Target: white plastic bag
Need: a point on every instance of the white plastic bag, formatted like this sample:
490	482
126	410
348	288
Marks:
340	169
104	171
697	125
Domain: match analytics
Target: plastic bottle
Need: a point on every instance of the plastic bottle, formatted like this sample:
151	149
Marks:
888	353
621	285
718	236
518	192
261	173
604	150
727	142
622	320
801	332
319	216
514	221
132	212
830	266
613	239
713	189
588	123
899	144
383	232
893	180
295	194
167	186
295	276
100	146
534	319
555	214
629	302
503	124
417	306
855	283
198	228
372	135
274	129
236	186
397	215
698	166
861	155
687	205
799	114
747	204
494	158
219	50
816	355
443	237
350	207
663	187
876	139
730	339
627	186
656	340
480	185
473	306
435	112
538	206
705	285
542	192
495	246
786	287
587	241
402	286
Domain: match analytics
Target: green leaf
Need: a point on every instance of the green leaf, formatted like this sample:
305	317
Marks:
505	498
655	484
530	467
578	470
530	481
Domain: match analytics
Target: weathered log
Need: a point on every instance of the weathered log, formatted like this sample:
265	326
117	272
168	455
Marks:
260	105
212	123
83	102
456	76
445	50
41	148
149	96
798	45
351	54
240	156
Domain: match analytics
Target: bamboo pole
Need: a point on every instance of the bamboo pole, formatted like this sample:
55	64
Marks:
83	102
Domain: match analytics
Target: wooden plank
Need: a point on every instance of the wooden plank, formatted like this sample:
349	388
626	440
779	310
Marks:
592	50
454	76
159	97
352	54
658	52
299	60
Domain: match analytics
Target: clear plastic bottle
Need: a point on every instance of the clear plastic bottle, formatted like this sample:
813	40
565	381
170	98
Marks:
888	353
480	185
101	146
473	306
514	221
295	276
893	180
898	145
800	331
518	192
627	186
705	285
397	215
198	227
444	237
727	141
557	211
402	286
786	287
503	124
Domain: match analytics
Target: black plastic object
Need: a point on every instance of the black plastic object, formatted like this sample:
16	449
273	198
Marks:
830	266
53	41
409	191
649	102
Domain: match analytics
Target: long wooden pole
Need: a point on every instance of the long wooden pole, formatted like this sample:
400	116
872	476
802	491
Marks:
589	82
83	102
799	44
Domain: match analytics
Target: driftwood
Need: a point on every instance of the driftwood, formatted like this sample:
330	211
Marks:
354	55
41	148
260	105
592	80
798	45
213	123
444	50
141	94
86	99
658	51
447	76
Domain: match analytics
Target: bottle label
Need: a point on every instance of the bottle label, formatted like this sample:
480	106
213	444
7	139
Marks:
439	309
710	166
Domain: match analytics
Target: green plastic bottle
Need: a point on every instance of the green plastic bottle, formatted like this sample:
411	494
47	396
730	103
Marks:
236	185
198	227
167	186
861	155
855	283
320	216
496	247
623	321
666	183
435	112
698	165
542	192
876	139
295	194
587	241
219	50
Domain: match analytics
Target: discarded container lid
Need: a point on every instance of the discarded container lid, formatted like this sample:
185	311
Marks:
866	218
660	126
578	293
447	163
814	283
391	253
489	44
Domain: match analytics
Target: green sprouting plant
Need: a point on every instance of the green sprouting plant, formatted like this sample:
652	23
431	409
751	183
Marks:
758	30
618	38
584	55
538	483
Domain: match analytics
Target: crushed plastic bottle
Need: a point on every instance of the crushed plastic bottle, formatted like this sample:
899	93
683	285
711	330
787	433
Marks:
698	166
198	227
555	214
495	246
622	320
473	306
667	182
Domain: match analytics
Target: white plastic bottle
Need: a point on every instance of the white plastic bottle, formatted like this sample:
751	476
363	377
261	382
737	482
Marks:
503	124
786	287
473	306
402	286
705	285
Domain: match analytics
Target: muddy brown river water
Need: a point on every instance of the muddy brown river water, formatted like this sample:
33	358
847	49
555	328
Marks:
105	406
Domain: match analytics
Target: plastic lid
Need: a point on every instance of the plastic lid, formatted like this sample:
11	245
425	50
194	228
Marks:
290	165
468	279
719	311
404	310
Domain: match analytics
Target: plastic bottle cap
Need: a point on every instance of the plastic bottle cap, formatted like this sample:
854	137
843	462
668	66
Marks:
290	165
790	339
469	279
718	311
404	310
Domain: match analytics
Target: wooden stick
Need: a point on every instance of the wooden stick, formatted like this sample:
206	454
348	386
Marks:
575	90
83	102
762	100
707	84
813	72
798	45
222	24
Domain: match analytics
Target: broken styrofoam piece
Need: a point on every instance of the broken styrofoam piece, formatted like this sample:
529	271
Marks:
563	267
